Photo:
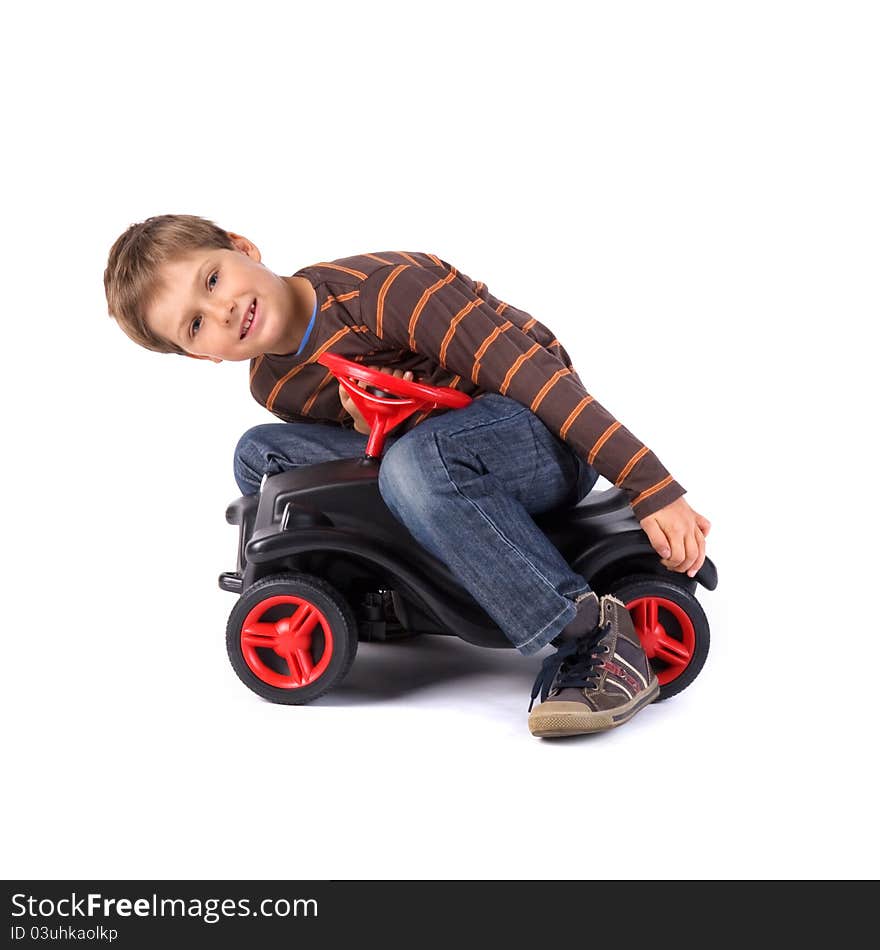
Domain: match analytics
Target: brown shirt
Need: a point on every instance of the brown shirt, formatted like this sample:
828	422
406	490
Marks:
413	311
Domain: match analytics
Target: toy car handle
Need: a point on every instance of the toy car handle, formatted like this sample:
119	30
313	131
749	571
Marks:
383	412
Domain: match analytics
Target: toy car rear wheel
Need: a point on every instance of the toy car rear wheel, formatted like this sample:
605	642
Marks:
291	637
671	625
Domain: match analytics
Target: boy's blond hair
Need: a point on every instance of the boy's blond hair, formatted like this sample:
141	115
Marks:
132	281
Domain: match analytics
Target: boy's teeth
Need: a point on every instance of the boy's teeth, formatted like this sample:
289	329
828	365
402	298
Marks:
249	321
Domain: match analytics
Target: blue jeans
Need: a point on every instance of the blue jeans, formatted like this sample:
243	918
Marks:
465	484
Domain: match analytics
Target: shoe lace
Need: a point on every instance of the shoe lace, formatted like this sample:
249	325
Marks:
575	663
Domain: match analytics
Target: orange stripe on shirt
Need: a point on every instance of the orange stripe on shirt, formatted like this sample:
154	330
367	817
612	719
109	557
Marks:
435	259
276	389
450	333
501	308
515	368
256	366
376	257
475	372
332	300
606	435
578	409
651	491
311	400
528	325
380	305
348	270
270	402
630	465
490	338
409	257
414	318
338	335
554	379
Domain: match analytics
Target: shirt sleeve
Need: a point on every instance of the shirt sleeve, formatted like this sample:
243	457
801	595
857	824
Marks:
437	313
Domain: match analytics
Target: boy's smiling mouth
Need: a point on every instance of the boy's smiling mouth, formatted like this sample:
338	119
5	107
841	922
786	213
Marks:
249	318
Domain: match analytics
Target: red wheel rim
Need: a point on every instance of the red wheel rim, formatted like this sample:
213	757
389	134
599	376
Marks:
292	637
669	655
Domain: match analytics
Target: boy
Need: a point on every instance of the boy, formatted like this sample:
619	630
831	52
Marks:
531	440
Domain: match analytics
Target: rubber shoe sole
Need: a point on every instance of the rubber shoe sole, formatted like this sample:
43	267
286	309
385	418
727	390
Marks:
551	719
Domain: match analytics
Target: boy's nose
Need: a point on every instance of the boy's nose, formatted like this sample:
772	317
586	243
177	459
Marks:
224	312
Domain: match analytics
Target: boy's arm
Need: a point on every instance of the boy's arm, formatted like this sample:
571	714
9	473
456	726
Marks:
426	310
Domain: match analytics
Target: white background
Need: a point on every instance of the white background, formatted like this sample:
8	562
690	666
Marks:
687	193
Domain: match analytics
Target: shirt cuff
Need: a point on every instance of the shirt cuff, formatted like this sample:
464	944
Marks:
657	500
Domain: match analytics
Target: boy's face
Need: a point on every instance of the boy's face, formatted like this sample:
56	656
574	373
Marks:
205	299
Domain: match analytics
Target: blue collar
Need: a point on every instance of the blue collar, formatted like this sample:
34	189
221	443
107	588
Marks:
306	335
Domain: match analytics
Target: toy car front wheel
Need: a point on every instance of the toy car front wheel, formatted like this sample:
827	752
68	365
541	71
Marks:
672	627
291	637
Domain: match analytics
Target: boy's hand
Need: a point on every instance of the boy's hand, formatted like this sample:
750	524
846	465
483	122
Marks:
678	534
348	405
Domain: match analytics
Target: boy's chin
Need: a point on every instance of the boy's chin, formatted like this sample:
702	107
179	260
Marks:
262	351
256	353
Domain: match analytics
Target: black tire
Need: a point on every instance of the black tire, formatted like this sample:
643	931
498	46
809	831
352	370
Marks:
636	587
334	614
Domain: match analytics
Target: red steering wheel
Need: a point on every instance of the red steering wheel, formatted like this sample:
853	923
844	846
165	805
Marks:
383	412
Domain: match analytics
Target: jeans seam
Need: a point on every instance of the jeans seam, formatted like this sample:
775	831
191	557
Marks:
489	422
542	631
500	534
243	466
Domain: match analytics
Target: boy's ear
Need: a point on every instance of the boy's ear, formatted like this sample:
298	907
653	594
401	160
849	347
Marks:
246	246
213	359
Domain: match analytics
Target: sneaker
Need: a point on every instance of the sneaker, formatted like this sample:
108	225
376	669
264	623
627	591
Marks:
596	682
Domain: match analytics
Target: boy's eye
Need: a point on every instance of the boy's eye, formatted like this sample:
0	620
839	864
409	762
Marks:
194	326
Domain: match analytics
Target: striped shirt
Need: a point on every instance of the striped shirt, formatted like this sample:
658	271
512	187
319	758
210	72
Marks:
412	311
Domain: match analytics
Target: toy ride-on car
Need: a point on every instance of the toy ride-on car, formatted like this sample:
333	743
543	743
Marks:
322	563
